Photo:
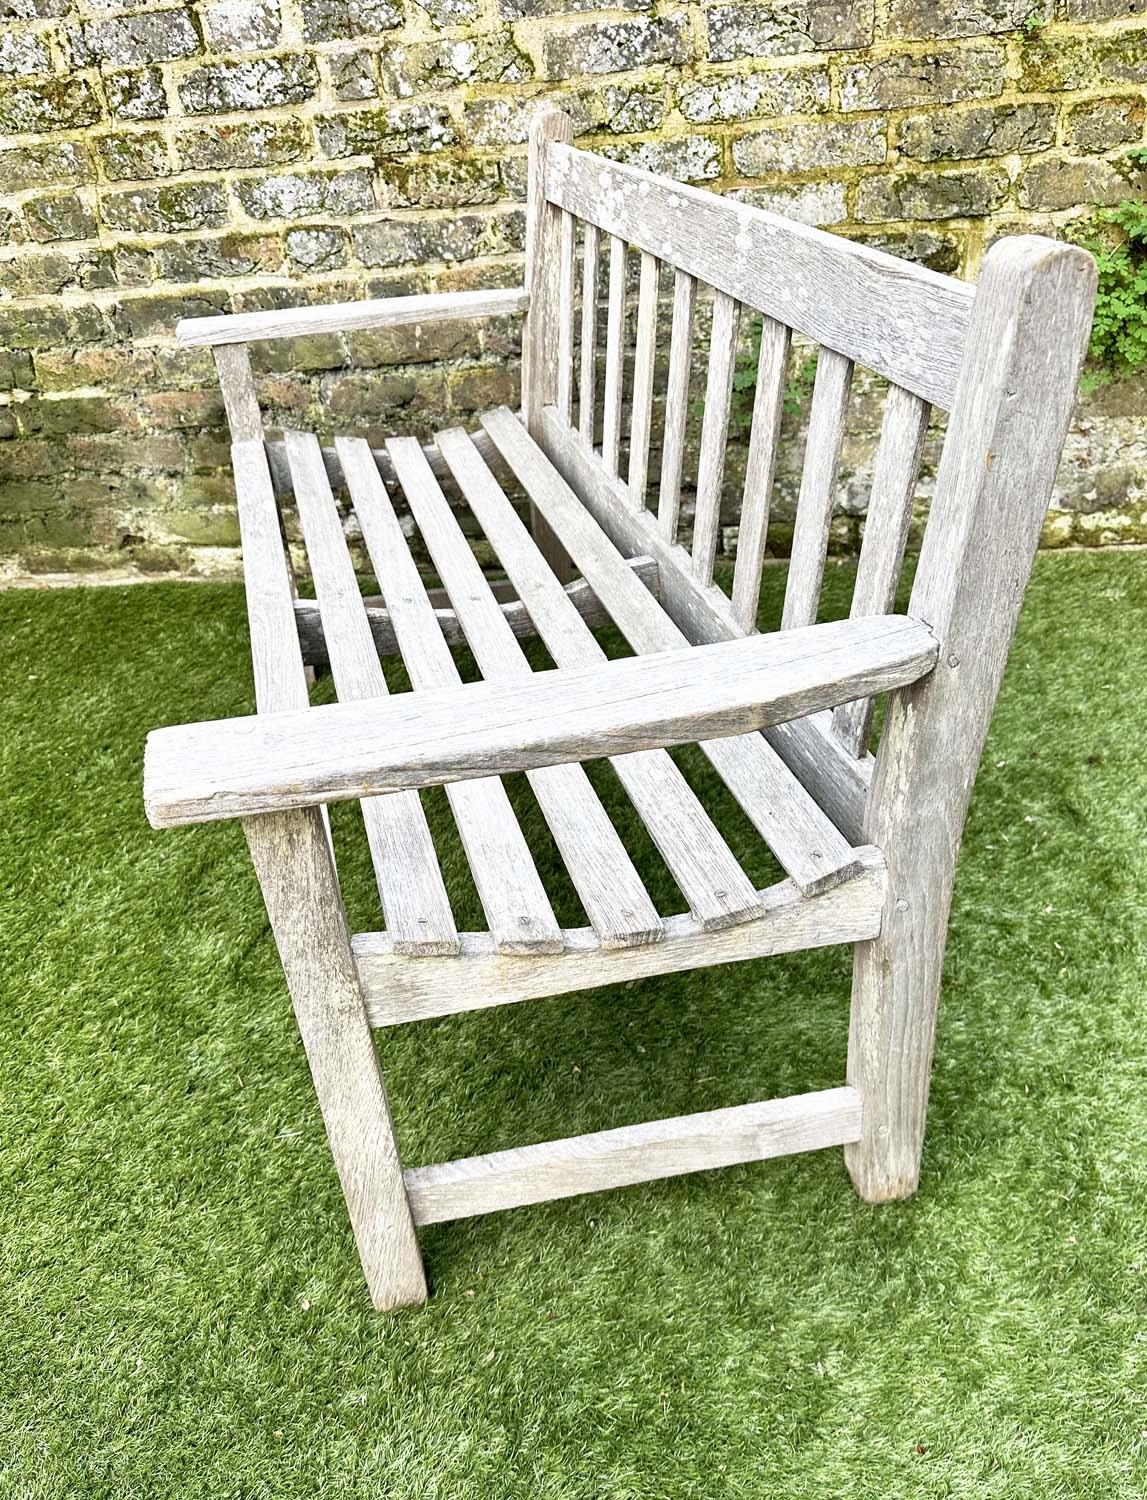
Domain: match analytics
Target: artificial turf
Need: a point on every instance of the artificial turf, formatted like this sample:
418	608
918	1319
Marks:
181	1310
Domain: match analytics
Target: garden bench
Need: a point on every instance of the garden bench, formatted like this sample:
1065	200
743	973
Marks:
868	843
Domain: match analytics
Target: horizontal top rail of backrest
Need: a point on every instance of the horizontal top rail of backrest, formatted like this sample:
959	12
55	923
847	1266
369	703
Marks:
901	320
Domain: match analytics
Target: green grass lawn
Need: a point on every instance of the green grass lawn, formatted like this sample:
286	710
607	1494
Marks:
181	1309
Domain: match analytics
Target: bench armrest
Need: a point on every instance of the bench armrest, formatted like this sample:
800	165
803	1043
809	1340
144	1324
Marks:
345	317
197	773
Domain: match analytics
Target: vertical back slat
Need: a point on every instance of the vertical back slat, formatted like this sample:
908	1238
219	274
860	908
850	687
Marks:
902	435
587	383
614	355
714	433
818	482
768	401
676	403
644	350
566	317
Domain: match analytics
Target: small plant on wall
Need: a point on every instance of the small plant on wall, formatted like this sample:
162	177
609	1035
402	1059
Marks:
1118	239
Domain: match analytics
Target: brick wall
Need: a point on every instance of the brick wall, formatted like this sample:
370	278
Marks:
158	162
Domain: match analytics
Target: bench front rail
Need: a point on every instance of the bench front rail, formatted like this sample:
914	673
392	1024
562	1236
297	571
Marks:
866	843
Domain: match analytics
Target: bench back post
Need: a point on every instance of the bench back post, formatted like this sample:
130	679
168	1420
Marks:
1013	401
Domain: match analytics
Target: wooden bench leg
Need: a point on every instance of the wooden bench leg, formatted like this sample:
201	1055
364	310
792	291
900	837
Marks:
292	857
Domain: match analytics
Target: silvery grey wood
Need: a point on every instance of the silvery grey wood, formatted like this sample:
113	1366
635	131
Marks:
837	780
907	323
714	434
1025	347
566	318
581	596
410	883
281	475
509	887
610	889
231	767
293	861
614	355
399	990
237	387
807	844
633	1154
349	317
818	488
587	380
676	403
764	439
902	435
644	353
718	891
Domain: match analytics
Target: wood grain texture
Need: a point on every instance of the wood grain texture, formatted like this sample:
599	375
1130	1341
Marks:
410	883
566	317
1016	391
907	323
764	440
277	457
818	488
349	317
633	1154
310	624
676	404
614	356
604	876
886	523
509	887
400	990
644	354
714	434
838	782
587	381
237	387
718	891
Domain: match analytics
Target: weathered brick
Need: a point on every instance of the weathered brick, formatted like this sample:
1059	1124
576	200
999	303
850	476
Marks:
133	156
395	242
900	81
439	184
230	255
33	10
1101	10
936	20
352	75
481	388
255	143
16	371
59	216
526	10
133	266
810	203
787	27
803	90
348	20
259	83
927	247
53	326
242	25
384	132
136	95
992	130
299	195
44	165
320	248
115	369
53	104
424	343
31	275
805	148
615	46
1054	60
444	13
1100	124
146	317
23	53
689	158
489	58
931	195
62	416
166	209
127	41
1061	182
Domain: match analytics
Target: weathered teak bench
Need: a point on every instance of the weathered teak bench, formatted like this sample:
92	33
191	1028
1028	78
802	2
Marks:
868	844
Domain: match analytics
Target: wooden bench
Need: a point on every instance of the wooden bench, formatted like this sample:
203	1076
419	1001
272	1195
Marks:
868	844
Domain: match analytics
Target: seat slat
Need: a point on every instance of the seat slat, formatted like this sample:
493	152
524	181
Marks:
566	317
410	884
615	900
614	355
818	481
809	846
509	887
644	351
714	432
718	891
902	434
768	403
587	381
676	403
